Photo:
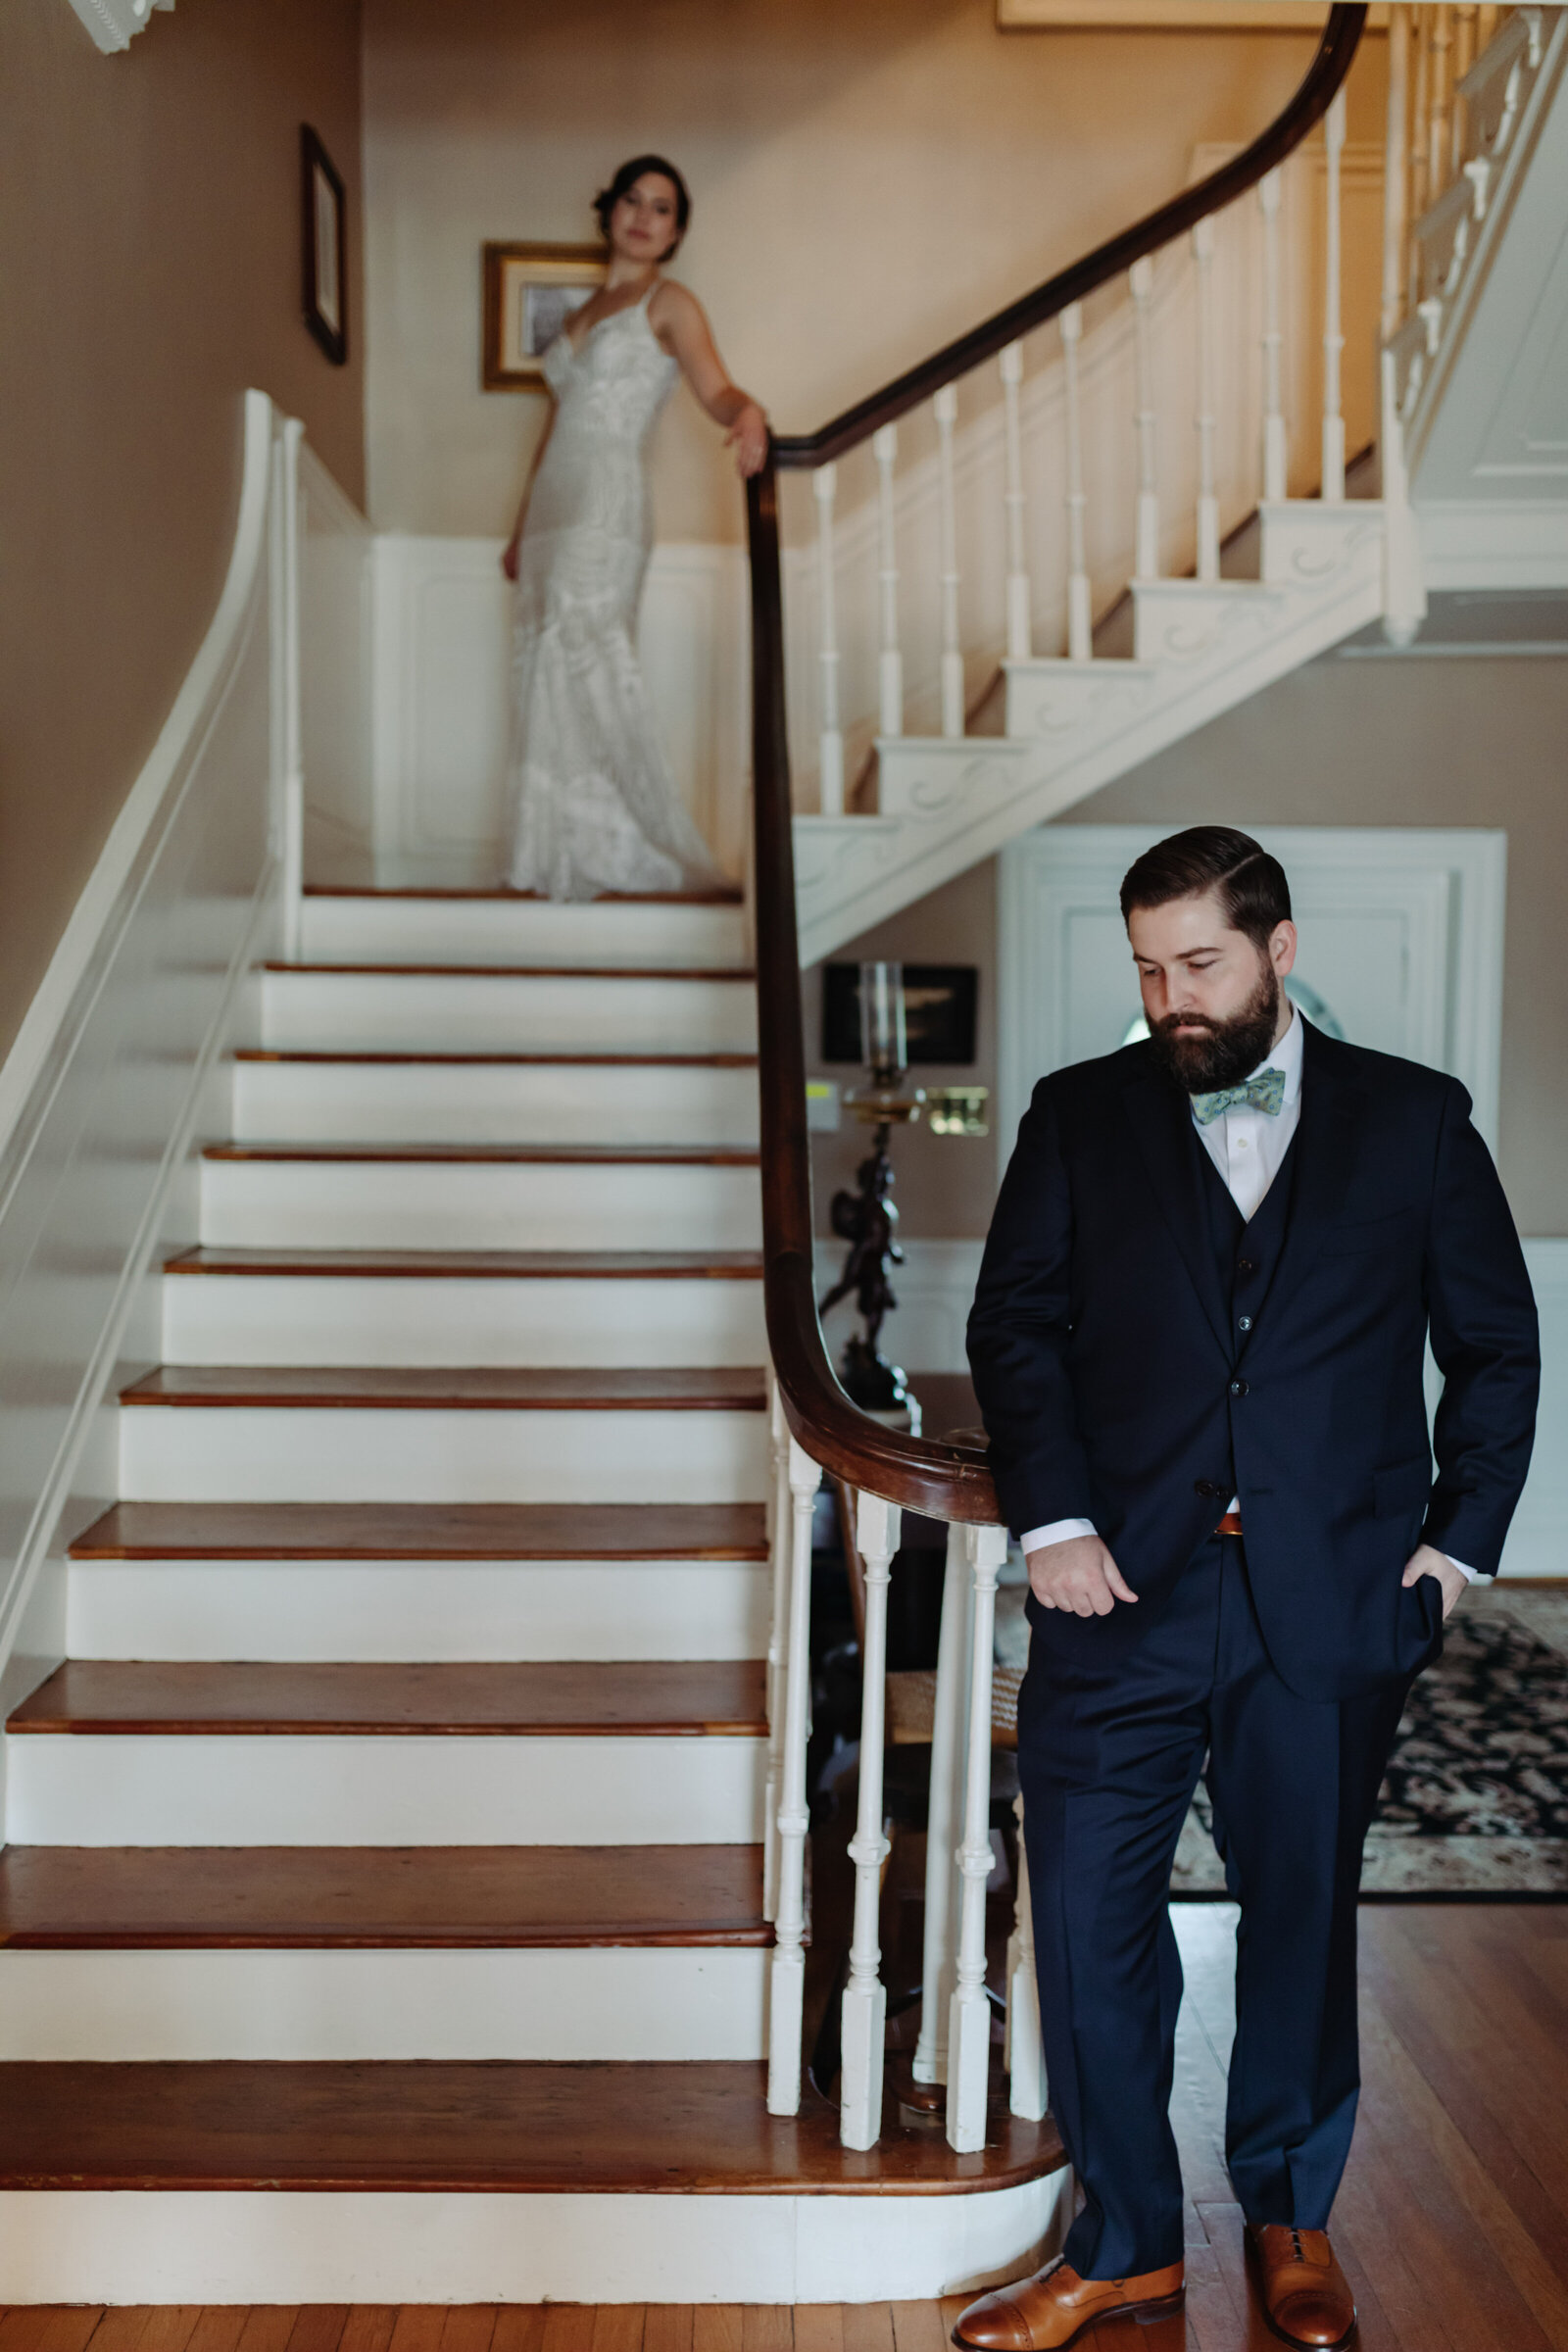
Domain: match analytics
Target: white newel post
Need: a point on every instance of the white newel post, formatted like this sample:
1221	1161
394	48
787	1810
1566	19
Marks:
787	1977
1025	2051
1332	335
780	1555
939	1956
1020	644
969	2021
1396	168
865	2000
289	816
1208	501
945	407
1146	560
824	485
890	663
1080	618
1270	189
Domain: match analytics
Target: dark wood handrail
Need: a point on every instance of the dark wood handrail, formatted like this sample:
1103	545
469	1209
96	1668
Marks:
948	1482
1340	37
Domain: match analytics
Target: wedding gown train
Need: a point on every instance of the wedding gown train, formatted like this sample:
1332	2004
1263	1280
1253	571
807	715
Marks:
594	805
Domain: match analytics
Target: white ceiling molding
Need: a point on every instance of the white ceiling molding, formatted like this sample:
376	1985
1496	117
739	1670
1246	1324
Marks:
114	24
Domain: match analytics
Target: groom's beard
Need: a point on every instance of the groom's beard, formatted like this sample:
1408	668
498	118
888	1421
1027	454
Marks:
1222	1052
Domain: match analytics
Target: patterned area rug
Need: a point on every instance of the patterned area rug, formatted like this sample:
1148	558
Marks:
1476	1797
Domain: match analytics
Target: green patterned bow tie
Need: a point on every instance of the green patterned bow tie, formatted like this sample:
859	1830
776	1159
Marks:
1265	1093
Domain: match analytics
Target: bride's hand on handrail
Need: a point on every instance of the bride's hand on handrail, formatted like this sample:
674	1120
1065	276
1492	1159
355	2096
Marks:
748	437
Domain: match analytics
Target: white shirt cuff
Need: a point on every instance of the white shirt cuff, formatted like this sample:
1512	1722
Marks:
1060	1531
1472	1576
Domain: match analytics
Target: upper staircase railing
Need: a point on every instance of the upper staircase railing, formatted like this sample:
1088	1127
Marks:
817	1427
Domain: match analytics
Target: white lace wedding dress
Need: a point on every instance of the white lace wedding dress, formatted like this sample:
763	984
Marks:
594	805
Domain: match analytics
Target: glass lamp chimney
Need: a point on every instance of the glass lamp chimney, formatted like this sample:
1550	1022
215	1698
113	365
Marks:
884	1042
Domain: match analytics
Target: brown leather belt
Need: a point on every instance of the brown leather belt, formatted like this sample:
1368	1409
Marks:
1230	1525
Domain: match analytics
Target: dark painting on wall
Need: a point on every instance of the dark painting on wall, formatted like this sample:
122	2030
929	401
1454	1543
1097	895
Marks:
940	1001
324	243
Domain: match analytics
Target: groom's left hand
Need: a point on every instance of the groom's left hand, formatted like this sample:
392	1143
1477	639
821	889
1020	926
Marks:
1424	1561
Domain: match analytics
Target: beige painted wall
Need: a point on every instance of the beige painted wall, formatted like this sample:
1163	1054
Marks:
867	181
1342	742
149	249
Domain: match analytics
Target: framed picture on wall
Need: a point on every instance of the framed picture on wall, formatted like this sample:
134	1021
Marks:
530	291
325	221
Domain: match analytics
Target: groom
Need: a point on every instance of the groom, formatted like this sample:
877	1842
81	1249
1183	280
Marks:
1197	1343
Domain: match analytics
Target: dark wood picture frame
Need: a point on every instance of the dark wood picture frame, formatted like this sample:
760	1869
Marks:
941	1006
324	230
510	359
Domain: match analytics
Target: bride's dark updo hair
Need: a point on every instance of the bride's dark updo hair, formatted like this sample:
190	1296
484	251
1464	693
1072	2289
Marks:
627	177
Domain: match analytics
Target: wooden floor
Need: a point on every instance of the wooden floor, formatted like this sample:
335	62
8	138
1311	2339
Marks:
1453	2222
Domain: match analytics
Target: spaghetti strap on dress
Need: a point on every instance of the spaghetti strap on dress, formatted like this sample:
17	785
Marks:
594	806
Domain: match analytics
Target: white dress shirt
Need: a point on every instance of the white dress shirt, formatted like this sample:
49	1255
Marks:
1248	1147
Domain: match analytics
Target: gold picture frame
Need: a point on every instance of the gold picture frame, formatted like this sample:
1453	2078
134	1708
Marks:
529	292
1175	16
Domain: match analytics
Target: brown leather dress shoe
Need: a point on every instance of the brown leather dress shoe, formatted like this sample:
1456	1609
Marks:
1305	2293
1052	2309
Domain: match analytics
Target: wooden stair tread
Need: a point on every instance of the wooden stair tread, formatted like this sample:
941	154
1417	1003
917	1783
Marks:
500	1387
506	1061
642	1265
426	1530
663	2128
525	972
629	1697
95	1898
500	893
669	1155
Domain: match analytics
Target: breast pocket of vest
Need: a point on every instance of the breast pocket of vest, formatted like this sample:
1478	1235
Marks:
1358	1236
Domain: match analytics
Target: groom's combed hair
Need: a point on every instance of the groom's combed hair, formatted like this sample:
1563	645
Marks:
1252	886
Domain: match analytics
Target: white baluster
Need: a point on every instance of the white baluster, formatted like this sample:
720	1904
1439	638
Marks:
1024	2054
1275	470
1404	594
945	409
940	1957
831	793
1208	501
1464	56
1019	633
787	1975
969	2020
1146	560
865	2000
1332	336
778	1543
1080	618
1441	99
889	664
288	720
1396	168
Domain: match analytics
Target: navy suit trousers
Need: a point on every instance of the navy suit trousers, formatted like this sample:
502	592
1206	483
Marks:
1109	1760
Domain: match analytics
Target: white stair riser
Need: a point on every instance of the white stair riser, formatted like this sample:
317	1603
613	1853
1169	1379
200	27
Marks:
385	1320
90	1789
405	1611
244	1453
118	2006
355	2246
442	1012
352	930
472	1204
468	1102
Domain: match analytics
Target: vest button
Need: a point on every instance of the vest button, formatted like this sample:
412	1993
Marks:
1246	1265
1244	1322
1238	1387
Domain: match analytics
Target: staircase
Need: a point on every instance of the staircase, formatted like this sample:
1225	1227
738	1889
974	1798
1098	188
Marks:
381	1914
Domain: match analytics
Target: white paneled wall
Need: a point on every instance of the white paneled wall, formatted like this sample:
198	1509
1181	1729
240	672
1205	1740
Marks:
443	646
336	583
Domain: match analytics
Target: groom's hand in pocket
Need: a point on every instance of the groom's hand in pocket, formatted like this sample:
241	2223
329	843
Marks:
1079	1575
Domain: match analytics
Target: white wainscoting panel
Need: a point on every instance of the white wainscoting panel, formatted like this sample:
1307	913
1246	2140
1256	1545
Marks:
1401	940
443	635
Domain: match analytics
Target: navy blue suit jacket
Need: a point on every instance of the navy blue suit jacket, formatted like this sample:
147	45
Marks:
1105	1351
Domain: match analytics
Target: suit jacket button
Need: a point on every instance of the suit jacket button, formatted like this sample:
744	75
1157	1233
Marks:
1238	1387
1208	1488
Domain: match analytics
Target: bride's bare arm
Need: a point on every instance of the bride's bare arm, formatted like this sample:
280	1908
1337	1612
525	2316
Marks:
680	323
508	554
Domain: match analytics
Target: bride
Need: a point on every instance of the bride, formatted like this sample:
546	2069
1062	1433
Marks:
595	807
